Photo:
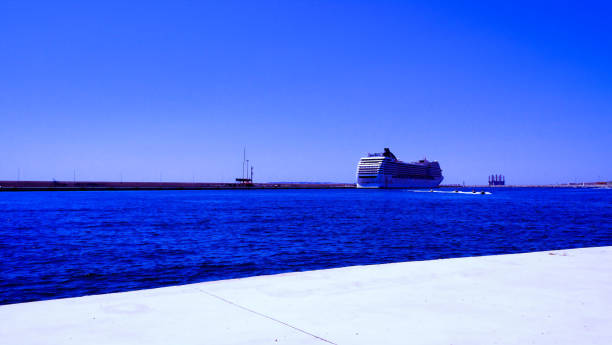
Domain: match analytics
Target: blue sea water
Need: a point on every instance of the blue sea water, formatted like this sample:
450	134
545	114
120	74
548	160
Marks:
63	244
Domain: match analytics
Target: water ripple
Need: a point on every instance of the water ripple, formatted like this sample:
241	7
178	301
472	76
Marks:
63	244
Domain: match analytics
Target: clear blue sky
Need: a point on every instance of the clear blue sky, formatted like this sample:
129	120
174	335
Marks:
179	88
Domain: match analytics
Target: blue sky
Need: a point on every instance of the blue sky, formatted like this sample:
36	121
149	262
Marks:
112	89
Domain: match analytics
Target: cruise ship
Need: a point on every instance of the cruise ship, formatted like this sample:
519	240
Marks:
384	170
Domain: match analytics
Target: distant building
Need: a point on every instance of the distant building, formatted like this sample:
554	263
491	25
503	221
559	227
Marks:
497	180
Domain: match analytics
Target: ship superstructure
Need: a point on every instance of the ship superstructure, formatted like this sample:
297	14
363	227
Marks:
384	170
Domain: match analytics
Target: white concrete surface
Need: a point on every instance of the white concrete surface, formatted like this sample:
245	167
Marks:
556	297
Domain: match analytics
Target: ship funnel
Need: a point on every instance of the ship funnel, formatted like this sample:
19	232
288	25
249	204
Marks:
388	154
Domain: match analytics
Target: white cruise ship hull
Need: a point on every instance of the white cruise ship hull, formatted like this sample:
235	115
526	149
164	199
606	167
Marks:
383	181
384	170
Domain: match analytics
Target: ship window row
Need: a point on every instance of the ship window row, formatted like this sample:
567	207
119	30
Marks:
404	169
408	169
411	168
421	177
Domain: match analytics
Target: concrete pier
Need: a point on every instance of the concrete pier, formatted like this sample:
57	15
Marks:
553	297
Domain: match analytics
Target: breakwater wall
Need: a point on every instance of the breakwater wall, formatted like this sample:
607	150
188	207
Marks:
18	186
562	185
7	186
